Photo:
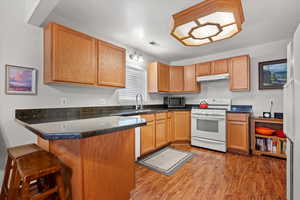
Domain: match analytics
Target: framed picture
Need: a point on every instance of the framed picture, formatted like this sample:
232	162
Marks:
272	74
20	80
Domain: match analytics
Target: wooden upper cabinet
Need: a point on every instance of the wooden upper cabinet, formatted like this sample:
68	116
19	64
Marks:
176	79
181	126
74	57
203	69
69	56
239	69
163	78
111	65
158	77
219	66
190	82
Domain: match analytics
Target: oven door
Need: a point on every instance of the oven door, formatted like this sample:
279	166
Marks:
209	127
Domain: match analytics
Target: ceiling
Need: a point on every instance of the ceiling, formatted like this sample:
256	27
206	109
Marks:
138	22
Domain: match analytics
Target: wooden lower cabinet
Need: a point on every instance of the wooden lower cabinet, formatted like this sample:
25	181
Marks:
238	134
163	129
170	130
181	126
148	138
161	136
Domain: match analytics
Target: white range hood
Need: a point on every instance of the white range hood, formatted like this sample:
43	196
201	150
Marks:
212	77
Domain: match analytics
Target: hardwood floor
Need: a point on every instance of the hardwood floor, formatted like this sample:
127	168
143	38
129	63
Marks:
215	176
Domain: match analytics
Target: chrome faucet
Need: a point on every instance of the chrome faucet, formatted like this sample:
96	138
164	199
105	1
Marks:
137	106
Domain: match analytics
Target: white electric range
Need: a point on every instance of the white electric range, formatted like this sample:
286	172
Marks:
209	125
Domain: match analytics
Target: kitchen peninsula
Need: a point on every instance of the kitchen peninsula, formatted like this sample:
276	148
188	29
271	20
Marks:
97	153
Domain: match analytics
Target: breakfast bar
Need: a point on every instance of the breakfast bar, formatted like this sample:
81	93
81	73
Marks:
97	154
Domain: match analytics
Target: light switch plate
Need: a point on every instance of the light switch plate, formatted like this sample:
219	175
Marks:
102	101
63	101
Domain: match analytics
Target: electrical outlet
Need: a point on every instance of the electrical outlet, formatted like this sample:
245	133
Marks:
271	101
63	101
102	101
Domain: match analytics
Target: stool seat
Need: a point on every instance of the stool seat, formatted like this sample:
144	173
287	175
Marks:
19	151
38	164
32	174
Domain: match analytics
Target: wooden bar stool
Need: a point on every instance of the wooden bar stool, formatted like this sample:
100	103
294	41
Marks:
35	167
8	192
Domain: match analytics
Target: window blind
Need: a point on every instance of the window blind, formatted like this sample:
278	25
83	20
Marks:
135	84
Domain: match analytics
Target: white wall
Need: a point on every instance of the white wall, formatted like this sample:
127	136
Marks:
258	98
22	44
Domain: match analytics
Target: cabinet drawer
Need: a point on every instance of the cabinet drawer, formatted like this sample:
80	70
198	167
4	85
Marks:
169	114
148	117
237	117
160	116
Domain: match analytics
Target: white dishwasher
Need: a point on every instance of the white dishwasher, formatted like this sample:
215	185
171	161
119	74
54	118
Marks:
137	141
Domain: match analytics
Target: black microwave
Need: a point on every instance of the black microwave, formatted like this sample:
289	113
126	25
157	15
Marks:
174	102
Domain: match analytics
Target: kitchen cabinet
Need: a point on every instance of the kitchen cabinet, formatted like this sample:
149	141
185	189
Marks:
76	58
173	79
190	82
148	135
219	67
239	69
158	77
161	134
170	131
181	126
111	65
176	79
69	56
203	69
238	133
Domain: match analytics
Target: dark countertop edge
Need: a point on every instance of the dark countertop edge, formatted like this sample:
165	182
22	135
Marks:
242	112
79	135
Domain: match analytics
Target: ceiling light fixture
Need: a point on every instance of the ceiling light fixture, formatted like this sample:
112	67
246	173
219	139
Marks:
207	22
137	58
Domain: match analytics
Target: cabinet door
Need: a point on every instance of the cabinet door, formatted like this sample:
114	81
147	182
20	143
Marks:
74	56
111	65
176	79
163	78
203	69
190	83
181	123
161	135
220	66
170	130
239	68
237	136
148	138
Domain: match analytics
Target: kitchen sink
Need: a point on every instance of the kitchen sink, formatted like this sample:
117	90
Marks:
133	112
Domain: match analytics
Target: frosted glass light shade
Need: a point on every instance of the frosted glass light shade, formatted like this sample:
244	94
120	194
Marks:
206	31
195	42
222	18
183	30
227	31
207	22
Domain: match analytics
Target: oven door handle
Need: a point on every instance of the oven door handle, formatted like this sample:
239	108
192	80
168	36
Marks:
207	140
208	117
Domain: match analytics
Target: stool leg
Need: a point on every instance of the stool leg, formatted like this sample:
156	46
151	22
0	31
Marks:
60	185
4	188
15	183
25	193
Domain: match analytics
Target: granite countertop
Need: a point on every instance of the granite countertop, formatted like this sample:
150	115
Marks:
76	123
82	128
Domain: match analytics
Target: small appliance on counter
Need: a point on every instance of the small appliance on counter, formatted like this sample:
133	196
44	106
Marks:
174	102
